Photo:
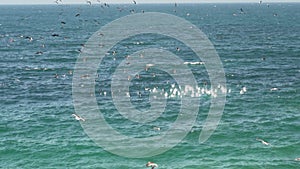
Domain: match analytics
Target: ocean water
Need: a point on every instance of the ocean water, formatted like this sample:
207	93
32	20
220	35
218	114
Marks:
259	49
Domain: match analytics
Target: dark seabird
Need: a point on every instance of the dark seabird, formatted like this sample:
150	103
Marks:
55	34
58	1
242	11
39	53
29	38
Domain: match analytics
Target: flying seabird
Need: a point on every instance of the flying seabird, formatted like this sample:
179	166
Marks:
77	117
263	142
134	1
39	53
55	35
58	1
106	4
89	2
242	11
29	38
151	164
156	128
243	90
274	89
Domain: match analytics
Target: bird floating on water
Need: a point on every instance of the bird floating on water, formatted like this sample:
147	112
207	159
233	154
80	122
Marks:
156	128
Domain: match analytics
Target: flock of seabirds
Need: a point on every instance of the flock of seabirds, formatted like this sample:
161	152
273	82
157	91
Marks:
242	91
106	5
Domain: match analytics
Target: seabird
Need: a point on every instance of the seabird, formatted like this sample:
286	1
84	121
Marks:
58	1
151	164
134	1
263	142
242	11
89	2
55	34
193	63
29	37
77	117
274	89
156	128
39	53
243	90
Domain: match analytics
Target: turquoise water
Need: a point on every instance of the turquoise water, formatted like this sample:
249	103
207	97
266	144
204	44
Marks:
259	50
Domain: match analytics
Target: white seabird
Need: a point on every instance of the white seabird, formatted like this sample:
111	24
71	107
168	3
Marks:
263	142
151	164
77	117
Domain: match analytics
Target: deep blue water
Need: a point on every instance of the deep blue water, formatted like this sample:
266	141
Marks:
259	49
